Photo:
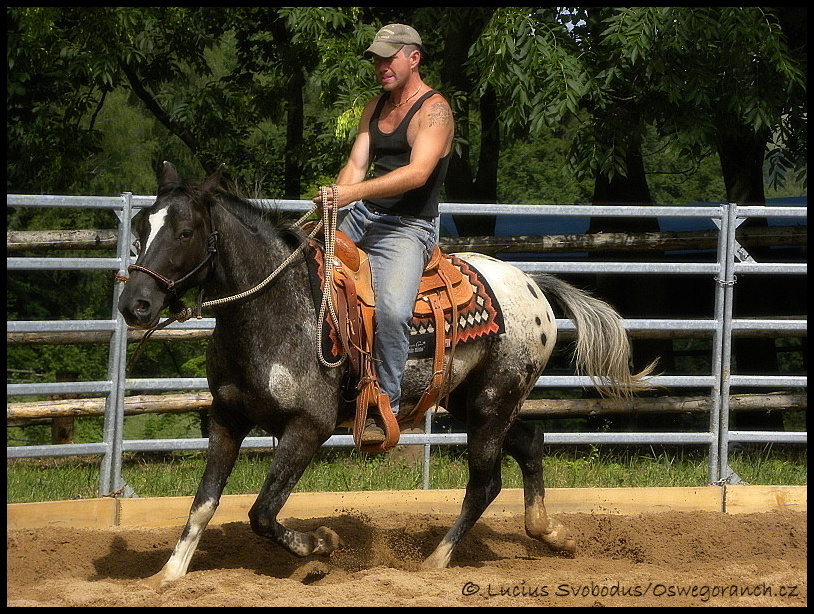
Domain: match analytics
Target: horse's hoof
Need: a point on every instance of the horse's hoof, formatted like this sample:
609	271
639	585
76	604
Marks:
560	542
555	536
326	541
155	582
440	558
568	548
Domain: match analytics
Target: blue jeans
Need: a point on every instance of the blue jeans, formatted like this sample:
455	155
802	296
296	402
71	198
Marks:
399	248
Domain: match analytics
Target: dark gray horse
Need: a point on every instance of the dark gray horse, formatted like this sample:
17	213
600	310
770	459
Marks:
263	367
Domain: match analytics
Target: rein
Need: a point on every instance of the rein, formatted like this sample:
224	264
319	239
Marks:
328	221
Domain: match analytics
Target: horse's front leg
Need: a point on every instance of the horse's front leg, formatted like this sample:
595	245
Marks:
295	450
224	445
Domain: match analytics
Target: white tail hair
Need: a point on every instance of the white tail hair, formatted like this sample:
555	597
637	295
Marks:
603	350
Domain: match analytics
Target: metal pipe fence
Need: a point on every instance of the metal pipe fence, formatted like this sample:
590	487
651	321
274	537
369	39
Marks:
730	260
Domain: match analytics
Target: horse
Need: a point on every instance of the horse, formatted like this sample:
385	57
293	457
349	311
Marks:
263	367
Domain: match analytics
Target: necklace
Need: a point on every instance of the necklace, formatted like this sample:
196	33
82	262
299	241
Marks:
405	101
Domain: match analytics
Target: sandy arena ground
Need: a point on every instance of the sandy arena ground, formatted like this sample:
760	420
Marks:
664	559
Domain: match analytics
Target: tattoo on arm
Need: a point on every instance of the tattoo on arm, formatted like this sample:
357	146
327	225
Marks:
440	114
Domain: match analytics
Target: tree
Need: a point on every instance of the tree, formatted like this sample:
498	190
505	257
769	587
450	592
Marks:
52	86
720	78
313	55
502	70
468	180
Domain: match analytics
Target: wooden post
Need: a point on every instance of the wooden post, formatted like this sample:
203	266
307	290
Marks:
62	426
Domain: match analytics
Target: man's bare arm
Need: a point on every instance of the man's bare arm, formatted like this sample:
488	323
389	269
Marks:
432	142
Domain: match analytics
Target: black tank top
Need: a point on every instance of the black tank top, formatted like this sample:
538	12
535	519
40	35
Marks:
391	151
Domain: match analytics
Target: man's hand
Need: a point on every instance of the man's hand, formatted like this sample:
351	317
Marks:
333	196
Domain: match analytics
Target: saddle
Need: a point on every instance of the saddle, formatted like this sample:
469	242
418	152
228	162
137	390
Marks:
443	290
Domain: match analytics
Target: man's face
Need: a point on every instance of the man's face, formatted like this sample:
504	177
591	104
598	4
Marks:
394	71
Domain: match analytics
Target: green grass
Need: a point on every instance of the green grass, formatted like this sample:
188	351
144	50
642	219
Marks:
165	475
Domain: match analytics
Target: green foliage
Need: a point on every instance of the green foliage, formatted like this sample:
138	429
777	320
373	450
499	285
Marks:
698	73
533	172
531	63
94	94
88	362
85	430
163	426
50	89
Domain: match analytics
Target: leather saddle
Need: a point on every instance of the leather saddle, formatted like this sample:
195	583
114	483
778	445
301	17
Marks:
443	291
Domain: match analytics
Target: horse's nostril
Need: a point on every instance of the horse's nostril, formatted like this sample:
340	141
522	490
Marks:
141	307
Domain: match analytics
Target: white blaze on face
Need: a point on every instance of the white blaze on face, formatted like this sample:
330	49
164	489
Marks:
156	221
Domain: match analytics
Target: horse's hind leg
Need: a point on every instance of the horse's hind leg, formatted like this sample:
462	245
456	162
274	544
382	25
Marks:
224	445
295	450
525	443
483	486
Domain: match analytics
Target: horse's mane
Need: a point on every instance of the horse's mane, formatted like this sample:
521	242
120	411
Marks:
266	218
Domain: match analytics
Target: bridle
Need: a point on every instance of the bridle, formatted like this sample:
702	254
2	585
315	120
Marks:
184	312
169	284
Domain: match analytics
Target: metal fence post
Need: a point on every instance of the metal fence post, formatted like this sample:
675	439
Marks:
110	478
716	394
726	284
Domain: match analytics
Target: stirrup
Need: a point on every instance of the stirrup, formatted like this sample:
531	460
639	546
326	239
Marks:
372	434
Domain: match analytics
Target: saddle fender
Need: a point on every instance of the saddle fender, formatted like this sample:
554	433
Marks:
442	290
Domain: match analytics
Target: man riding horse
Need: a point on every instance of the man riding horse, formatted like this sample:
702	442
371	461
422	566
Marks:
406	133
263	361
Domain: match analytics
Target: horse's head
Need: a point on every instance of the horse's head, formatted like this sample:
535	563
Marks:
177	245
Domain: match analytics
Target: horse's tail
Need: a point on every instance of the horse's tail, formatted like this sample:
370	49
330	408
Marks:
603	347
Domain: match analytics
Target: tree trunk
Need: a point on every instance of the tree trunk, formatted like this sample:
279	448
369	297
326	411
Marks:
294	135
484	188
741	153
464	184
629	190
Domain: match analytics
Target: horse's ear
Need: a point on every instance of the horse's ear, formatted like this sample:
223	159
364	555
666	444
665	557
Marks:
168	174
210	183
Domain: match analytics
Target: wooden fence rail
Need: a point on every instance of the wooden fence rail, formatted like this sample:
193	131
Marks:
20	413
17	241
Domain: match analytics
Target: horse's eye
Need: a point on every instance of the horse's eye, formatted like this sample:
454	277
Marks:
185	234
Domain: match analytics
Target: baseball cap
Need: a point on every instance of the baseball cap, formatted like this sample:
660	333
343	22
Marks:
391	38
